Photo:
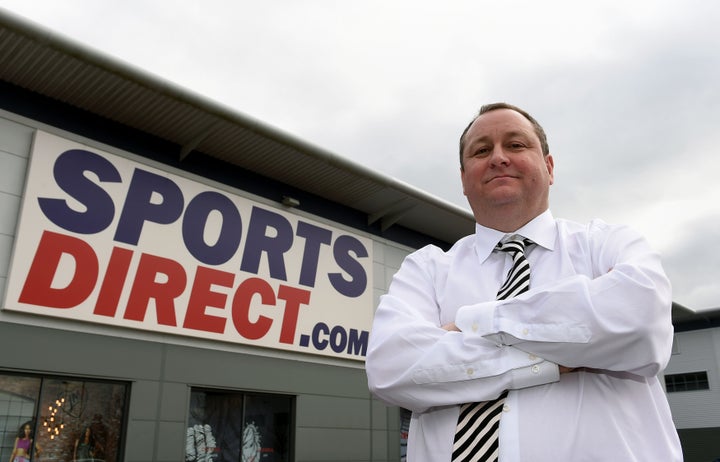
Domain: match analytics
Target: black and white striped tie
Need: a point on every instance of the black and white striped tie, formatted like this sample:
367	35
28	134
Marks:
478	427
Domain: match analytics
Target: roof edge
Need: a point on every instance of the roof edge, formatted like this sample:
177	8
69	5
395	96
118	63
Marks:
71	47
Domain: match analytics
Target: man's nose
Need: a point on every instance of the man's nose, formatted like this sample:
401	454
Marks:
498	156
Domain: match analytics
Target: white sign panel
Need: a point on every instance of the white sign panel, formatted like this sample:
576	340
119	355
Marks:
108	240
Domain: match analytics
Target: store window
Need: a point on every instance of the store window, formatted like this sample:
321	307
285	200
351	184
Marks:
61	419
228	426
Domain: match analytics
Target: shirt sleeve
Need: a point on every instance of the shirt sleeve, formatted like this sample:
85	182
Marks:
617	319
414	363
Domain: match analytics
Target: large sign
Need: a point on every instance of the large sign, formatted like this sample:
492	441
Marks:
108	240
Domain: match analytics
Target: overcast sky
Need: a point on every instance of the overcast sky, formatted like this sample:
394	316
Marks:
628	92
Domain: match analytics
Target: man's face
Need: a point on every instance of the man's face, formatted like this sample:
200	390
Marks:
505	172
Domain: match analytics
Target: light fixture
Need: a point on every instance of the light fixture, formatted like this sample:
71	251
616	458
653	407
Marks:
290	201
51	422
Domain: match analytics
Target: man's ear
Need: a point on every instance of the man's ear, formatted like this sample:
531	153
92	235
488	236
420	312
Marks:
550	164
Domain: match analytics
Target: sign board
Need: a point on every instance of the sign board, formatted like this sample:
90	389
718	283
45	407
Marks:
108	240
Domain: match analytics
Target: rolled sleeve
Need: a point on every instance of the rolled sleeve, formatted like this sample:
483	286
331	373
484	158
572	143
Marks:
537	374
523	369
477	320
487	320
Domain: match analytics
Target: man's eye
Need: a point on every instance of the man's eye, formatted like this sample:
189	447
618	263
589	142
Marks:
516	145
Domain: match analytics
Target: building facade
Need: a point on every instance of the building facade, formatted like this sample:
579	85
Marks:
180	281
692	380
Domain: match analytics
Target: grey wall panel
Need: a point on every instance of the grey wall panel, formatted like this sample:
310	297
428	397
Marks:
9	210
320	411
58	351
334	445
171	442
227	369
174	402
6	243
384	445
15	141
144	398
379	415
140	443
12	173
15	138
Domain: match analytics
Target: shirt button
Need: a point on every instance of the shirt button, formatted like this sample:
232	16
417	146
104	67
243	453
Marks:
470	371
525	331
506	408
532	357
474	327
535	369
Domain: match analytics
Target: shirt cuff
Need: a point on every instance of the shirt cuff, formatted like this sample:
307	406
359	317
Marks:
537	374
478	319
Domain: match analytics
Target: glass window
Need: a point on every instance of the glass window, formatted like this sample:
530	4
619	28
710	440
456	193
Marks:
228	426
689	381
18	403
61	419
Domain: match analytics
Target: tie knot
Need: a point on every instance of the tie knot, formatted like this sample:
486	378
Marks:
516	244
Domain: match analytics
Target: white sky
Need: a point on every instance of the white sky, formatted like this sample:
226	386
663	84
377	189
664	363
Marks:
627	91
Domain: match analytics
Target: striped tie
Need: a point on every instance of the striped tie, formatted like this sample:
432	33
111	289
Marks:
477	431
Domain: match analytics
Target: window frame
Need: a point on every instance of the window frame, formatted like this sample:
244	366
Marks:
41	412
245	394
687	381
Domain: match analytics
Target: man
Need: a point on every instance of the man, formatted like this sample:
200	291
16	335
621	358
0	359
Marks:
577	354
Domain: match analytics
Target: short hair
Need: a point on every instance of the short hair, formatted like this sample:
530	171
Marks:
494	106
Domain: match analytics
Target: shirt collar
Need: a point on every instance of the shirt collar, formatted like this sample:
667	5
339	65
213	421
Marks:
542	230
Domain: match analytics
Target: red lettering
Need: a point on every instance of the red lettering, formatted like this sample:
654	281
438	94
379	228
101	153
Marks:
146	286
293	297
158	282
112	285
241	308
38	288
201	297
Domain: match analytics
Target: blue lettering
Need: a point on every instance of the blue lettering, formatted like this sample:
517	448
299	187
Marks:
156	198
195	222
139	206
344	245
274	246
357	342
320	328
338	339
314	238
69	172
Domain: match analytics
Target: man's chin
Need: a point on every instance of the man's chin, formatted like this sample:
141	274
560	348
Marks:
504	196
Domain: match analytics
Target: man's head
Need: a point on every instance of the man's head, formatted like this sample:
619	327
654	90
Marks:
539	131
505	167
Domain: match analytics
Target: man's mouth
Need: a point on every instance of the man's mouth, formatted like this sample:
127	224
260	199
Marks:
499	177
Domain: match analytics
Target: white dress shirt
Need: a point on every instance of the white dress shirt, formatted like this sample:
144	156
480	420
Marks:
599	301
